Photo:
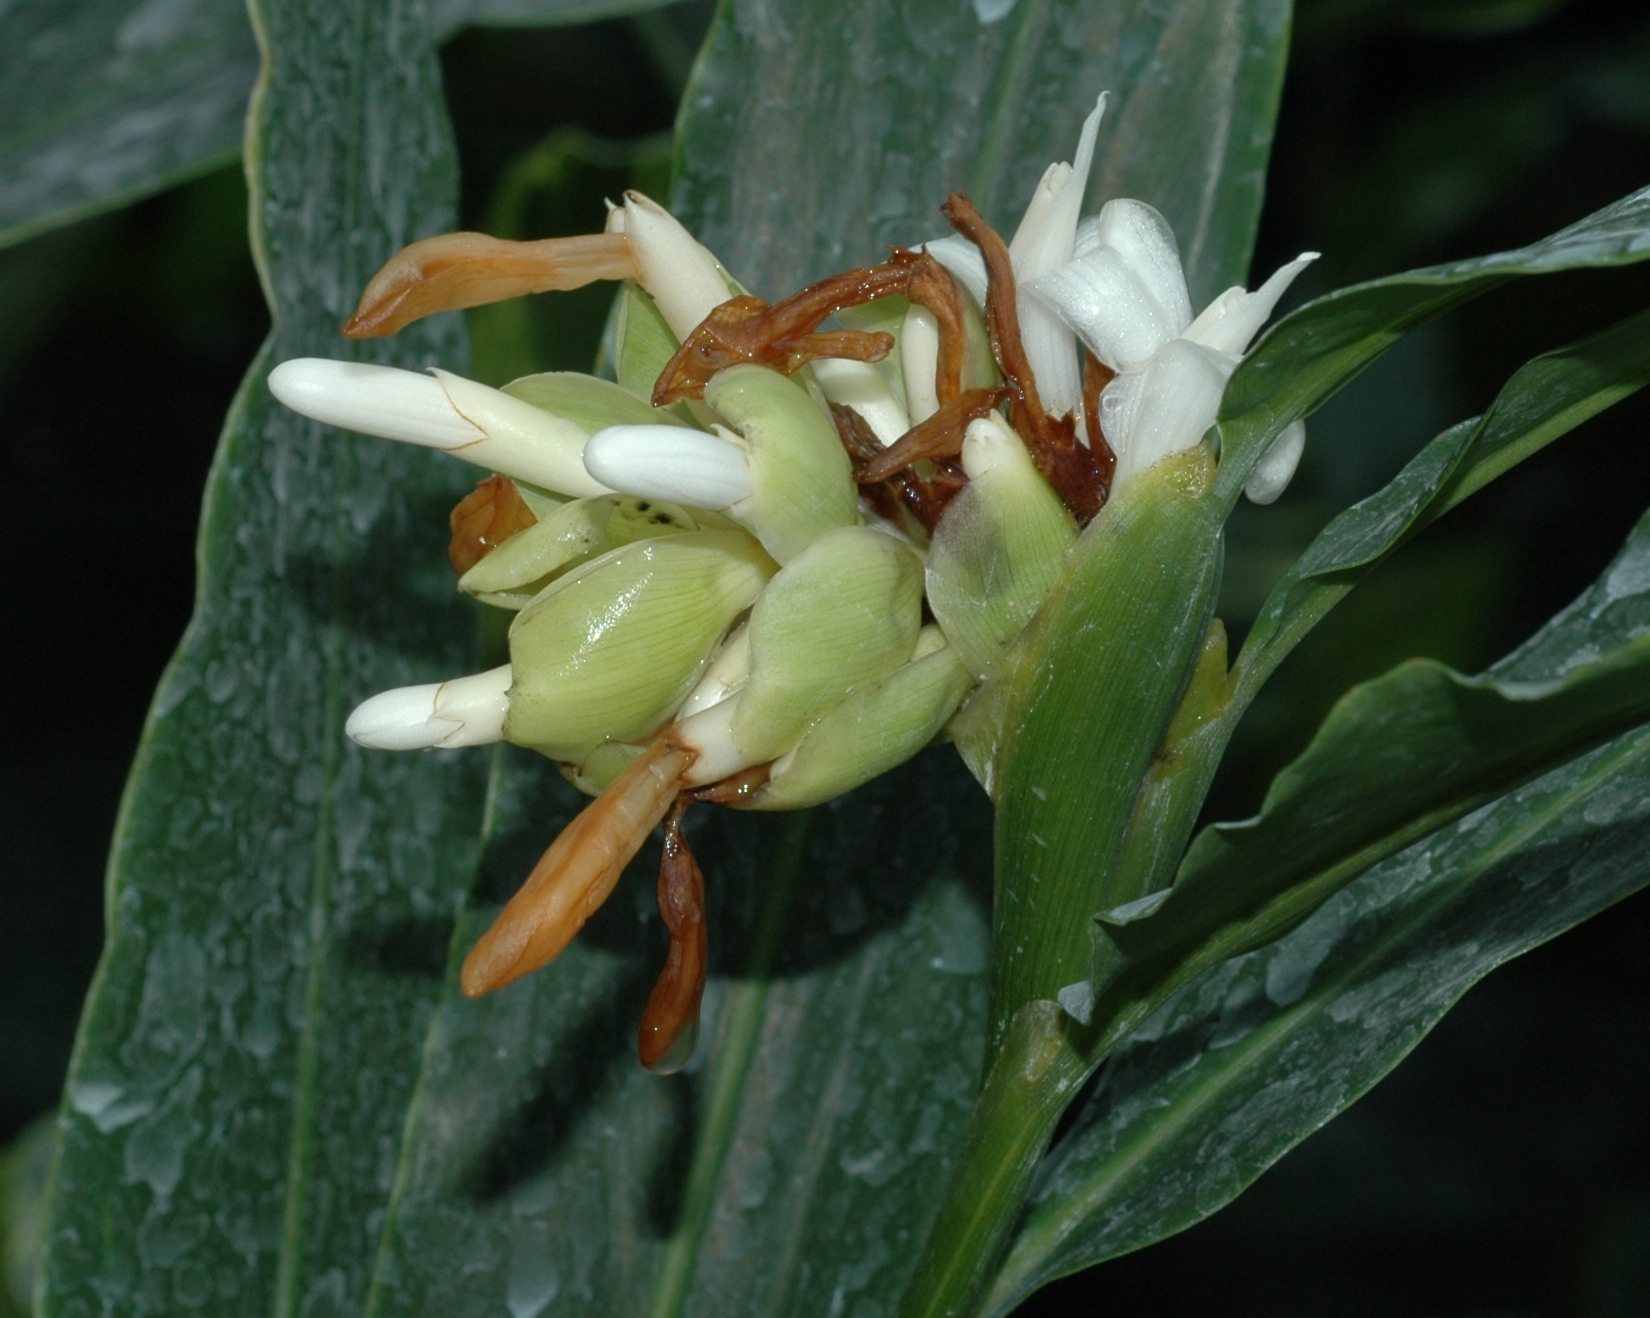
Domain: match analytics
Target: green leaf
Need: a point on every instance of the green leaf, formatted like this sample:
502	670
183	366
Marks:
252	1036
106	101
1316	349
870	136
1239	1066
804	1152
1397	759
1545	399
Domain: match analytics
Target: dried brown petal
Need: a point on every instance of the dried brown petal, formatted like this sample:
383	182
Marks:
458	270
483	520
670	1020
782	336
576	875
941	436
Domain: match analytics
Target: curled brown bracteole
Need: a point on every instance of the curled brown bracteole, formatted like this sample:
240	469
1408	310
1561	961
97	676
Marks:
786	335
483	520
941	436
925	497
458	270
1072	469
574	877
670	1021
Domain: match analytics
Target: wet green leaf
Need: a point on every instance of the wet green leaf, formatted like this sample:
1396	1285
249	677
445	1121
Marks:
1545	399
1260	1051
106	101
239	1082
872	112
1312	352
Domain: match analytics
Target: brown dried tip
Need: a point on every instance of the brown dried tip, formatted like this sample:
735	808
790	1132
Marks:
941	436
670	1022
932	287
783	336
1073	470
576	875
925	497
458	270
483	520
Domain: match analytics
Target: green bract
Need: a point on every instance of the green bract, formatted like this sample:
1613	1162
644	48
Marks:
802	484
879	725
588	402
607	651
996	555
845	611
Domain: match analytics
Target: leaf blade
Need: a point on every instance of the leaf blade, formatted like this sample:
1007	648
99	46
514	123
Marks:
1308	355
251	1021
1414	933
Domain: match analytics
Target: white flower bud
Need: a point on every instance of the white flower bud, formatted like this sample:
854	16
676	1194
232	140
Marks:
919	346
671	463
374	400
471	421
466	711
860	385
1276	468
678	272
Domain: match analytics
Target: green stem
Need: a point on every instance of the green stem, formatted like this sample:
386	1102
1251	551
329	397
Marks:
1038	1068
746	1004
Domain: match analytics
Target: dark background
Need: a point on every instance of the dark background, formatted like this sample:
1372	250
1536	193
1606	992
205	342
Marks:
1505	1168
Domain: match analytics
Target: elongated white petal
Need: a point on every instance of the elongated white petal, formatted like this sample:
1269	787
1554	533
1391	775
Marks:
963	260
520	440
727	674
709	735
670	463
1142	237
374	400
1220	308
466	711
1044	240
672	265
1112	311
1244	316
1276	468
1051	351
1166	408
860	385
919	349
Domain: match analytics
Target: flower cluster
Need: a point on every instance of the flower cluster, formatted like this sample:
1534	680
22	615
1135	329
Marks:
771	559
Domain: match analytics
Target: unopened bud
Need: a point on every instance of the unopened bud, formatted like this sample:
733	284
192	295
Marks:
999	549
845	611
373	400
608	651
680	274
670	462
1276	468
466	711
860	385
469	420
